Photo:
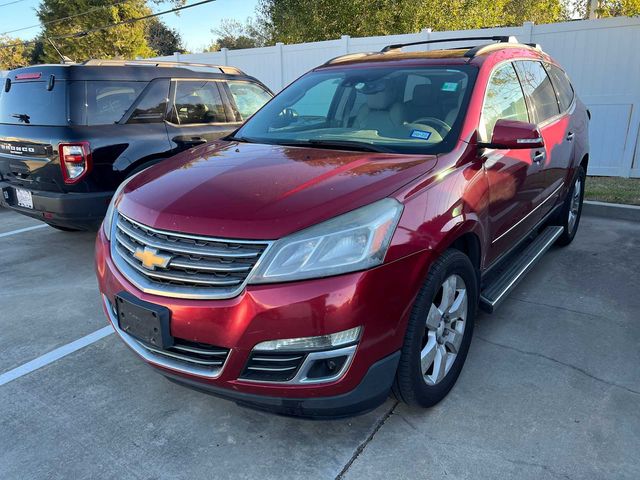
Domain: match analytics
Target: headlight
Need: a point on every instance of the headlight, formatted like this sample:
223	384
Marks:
108	218
357	240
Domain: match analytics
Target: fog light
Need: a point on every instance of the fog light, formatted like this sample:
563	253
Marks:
339	339
326	367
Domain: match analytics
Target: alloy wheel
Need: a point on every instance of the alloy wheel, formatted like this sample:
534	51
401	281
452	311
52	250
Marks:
444	330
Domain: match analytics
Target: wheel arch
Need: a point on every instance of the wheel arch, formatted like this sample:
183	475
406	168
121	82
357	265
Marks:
466	238
584	163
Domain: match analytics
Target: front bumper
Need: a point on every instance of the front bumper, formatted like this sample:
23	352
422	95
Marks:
82	211
377	300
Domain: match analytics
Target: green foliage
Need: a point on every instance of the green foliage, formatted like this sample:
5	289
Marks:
606	8
126	41
13	57
616	8
294	21
234	35
162	39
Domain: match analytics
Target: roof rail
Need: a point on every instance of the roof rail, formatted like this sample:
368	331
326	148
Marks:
495	38
477	50
163	63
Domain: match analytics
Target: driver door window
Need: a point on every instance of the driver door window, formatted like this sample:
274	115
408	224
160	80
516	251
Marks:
198	102
504	99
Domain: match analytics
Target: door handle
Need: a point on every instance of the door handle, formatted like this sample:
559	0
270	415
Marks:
188	141
539	156
570	136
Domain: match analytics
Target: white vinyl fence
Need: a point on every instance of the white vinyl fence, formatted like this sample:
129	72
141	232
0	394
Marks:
602	57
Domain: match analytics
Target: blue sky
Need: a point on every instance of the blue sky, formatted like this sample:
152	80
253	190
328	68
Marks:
194	24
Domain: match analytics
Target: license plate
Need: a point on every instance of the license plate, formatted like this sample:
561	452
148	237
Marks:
24	198
144	321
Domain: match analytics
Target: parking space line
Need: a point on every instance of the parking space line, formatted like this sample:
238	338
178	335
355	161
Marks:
54	355
22	230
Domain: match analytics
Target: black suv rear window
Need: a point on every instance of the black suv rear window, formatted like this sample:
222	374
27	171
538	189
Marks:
31	103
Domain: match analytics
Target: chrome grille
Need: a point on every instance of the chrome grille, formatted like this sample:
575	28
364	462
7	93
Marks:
197	267
272	367
203	355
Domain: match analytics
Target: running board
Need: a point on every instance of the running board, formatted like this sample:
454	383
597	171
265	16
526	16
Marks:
496	292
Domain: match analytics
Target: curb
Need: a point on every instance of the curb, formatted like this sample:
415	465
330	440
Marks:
614	211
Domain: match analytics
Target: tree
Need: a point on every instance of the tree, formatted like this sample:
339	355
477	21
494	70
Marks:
295	21
610	8
235	35
13	57
162	39
126	41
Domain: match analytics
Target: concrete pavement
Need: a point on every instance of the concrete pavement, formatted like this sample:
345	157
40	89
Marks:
551	388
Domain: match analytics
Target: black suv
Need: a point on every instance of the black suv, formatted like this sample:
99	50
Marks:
69	134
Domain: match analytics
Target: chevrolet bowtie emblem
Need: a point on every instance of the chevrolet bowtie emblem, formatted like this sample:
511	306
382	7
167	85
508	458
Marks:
151	259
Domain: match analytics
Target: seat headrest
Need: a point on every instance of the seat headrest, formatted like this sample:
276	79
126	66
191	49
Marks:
422	94
381	100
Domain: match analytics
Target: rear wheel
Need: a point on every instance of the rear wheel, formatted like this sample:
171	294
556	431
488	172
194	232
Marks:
571	212
439	332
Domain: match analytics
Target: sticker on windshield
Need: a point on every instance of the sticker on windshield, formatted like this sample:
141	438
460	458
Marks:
421	134
449	86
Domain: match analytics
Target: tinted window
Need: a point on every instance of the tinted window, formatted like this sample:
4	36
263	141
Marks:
31	103
538	88
249	97
367	108
503	100
153	104
562	85
108	101
198	102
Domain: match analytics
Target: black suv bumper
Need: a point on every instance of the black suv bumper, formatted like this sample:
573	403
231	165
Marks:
78	211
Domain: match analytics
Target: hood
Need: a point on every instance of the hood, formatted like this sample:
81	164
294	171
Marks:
252	191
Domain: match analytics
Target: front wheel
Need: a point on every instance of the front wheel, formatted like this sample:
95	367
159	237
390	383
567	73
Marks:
571	211
439	332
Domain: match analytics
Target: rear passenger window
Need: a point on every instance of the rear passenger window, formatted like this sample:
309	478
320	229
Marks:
504	100
153	104
562	85
198	102
108	101
537	86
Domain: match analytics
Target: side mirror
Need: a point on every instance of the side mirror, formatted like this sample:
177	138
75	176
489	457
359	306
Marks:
514	134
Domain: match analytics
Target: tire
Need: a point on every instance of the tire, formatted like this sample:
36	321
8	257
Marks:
64	229
569	217
426	386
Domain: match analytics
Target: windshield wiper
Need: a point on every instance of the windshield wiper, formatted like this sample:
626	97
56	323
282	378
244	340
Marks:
231	138
23	117
339	144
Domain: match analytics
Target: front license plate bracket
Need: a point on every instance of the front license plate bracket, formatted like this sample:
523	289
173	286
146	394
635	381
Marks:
146	322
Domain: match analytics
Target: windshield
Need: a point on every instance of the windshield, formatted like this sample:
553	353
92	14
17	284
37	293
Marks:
410	110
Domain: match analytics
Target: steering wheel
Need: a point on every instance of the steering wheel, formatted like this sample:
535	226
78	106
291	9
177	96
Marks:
442	127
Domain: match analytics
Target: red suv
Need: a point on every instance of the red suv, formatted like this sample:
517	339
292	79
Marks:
337	246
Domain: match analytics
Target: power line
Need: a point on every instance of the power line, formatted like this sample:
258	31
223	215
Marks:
51	22
11	3
106	27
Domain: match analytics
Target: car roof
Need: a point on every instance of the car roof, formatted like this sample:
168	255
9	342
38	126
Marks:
133	70
476	54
